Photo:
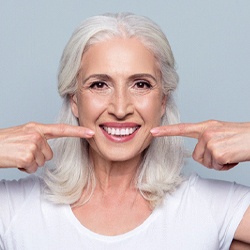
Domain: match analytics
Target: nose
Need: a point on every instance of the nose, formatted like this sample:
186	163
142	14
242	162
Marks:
121	104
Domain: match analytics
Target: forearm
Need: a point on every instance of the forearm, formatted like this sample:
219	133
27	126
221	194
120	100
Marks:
239	245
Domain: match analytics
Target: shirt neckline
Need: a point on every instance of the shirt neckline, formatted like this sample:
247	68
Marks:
87	232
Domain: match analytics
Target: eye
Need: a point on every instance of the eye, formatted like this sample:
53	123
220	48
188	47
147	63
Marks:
98	85
143	85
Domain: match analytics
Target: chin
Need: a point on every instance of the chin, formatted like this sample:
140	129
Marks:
122	158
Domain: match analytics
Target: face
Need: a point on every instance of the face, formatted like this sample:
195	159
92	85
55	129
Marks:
120	97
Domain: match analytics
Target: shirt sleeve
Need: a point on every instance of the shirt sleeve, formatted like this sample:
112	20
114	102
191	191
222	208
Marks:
227	203
13	195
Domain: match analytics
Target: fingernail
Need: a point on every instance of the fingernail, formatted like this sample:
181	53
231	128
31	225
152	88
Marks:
89	132
154	131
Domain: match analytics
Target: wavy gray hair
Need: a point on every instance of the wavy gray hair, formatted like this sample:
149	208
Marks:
72	171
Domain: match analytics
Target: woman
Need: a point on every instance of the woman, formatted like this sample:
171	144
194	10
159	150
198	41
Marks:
111	184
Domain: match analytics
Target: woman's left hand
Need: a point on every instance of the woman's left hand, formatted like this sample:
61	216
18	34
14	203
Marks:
221	145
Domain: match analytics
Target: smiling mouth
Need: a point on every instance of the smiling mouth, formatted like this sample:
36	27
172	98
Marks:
120	131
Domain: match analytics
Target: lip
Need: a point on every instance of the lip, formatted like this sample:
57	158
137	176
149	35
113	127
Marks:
119	132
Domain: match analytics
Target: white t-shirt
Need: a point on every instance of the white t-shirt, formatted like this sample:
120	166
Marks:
201	214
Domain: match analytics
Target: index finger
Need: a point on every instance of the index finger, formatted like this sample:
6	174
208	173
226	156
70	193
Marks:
192	130
52	131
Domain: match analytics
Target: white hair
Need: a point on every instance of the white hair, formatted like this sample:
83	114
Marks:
71	171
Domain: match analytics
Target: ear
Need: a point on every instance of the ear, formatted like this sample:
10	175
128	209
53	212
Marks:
163	105
74	106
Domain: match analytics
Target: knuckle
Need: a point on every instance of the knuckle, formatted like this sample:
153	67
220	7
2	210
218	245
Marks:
220	158
49	156
211	145
41	164
194	156
212	127
25	161
36	137
61	128
213	122
208	165
30	125
217	166
32	169
32	148
217	153
28	158
32	130
197	157
207	135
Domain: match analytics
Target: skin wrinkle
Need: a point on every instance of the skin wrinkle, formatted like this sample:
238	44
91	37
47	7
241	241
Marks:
110	82
119	91
108	170
129	94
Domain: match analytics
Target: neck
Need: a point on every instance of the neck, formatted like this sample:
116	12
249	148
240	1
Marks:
118	176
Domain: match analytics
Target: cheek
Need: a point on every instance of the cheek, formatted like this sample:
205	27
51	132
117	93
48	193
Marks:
89	110
151	110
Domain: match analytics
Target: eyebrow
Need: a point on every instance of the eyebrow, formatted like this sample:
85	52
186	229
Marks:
106	77
142	75
103	77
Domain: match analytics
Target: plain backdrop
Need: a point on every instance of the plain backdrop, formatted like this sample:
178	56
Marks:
210	40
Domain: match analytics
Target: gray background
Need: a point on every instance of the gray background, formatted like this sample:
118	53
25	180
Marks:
210	41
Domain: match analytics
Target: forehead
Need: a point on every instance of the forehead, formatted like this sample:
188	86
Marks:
127	55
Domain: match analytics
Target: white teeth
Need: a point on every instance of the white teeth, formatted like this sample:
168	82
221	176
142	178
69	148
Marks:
109	130
119	131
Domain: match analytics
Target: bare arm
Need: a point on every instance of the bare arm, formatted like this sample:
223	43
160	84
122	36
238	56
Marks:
221	145
26	147
242	233
239	245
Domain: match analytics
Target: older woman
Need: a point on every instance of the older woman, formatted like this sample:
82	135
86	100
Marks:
111	184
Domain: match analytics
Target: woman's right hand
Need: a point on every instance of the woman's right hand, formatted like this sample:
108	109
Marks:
25	147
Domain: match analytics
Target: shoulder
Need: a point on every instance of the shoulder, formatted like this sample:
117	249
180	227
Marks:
221	202
203	207
211	188
213	193
21	187
13	193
